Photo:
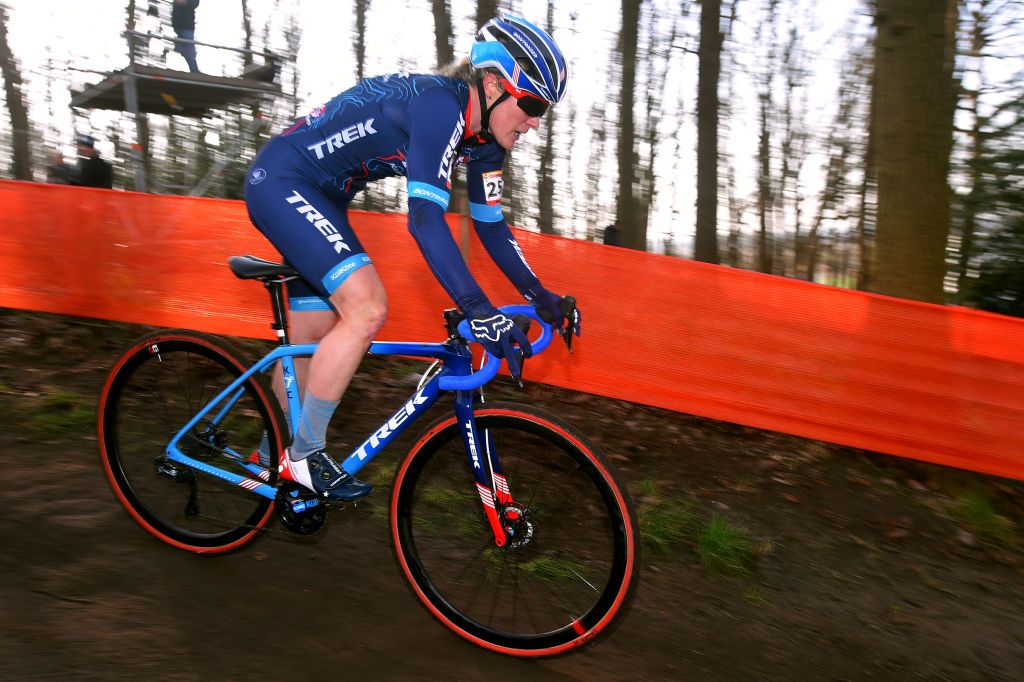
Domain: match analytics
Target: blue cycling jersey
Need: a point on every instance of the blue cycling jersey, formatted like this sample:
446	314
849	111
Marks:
415	126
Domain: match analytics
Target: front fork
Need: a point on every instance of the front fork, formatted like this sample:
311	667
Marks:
490	478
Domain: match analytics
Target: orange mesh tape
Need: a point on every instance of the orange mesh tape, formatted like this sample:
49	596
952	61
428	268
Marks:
940	384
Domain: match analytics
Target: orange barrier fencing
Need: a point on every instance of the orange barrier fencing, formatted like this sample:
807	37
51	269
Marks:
940	384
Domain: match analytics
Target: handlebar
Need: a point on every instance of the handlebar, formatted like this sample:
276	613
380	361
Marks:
491	363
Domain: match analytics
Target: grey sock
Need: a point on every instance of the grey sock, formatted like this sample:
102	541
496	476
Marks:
312	433
266	458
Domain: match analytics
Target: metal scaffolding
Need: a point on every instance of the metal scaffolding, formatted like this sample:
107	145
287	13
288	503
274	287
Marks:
143	89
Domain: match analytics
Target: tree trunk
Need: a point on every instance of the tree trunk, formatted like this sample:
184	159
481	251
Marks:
914	123
975	152
247	34
443	32
709	68
765	200
17	108
867	214
634	234
485	11
362	7
546	182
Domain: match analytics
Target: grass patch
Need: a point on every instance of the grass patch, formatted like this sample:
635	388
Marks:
448	499
725	548
664	523
755	595
61	414
976	511
552	569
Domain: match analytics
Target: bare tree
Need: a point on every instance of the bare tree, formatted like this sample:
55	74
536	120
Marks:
546	183
246	34
443	37
485	11
17	107
766	196
840	144
709	69
362	7
634	234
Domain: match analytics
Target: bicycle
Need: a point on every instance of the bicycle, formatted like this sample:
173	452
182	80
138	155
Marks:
510	527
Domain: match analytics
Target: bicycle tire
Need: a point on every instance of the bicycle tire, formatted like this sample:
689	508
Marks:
580	561
153	390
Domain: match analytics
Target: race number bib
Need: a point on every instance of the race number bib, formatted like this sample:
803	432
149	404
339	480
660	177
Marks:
493	184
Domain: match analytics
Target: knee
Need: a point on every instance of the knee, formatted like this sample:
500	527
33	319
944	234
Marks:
369	317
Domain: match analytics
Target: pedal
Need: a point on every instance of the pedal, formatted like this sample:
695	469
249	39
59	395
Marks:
300	509
168	468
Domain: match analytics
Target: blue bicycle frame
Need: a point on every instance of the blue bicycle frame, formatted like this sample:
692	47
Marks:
456	375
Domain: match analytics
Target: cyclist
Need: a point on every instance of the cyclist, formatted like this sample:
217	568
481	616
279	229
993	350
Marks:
420	127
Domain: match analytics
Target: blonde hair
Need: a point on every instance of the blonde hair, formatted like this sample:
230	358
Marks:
464	70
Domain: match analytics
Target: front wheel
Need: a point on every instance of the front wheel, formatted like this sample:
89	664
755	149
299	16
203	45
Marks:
569	567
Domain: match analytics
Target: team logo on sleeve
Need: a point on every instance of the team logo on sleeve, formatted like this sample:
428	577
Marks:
448	158
493	185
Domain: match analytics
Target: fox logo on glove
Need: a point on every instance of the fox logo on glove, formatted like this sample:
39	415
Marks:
491	328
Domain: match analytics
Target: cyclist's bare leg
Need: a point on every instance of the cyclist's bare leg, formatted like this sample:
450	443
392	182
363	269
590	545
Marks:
309	326
362	304
343	339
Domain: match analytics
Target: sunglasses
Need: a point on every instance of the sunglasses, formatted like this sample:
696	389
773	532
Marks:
531	105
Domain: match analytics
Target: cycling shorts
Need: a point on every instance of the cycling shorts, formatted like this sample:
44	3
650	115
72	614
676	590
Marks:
306	222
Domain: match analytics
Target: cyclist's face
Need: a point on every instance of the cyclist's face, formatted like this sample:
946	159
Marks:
508	121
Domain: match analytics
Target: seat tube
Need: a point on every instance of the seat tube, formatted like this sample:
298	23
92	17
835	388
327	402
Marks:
472	439
291	389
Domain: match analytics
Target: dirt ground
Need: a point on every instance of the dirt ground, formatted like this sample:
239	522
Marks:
862	566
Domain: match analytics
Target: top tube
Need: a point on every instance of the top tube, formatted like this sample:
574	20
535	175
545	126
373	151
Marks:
491	363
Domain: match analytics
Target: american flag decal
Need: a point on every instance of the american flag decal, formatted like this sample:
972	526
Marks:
249	484
502	486
486	496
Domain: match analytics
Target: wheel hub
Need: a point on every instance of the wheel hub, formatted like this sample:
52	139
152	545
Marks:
518	524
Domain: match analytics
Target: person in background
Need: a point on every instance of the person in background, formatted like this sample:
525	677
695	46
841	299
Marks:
92	170
58	172
183	19
611	235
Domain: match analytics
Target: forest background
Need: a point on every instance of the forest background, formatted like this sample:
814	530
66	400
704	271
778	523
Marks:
871	144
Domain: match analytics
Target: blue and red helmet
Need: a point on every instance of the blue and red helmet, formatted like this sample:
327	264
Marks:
524	54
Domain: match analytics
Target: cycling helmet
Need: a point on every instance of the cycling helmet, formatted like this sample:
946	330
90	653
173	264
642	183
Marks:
524	54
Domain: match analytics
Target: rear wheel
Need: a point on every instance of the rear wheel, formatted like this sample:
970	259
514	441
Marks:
153	391
571	561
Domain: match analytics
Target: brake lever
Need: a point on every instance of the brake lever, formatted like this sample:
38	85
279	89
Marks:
523	322
521	364
568	309
566	335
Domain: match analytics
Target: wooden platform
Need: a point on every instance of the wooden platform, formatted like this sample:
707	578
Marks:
169	92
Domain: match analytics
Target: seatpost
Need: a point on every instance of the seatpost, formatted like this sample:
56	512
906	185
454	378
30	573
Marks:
280	324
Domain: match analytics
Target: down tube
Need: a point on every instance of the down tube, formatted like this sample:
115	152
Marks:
413	408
